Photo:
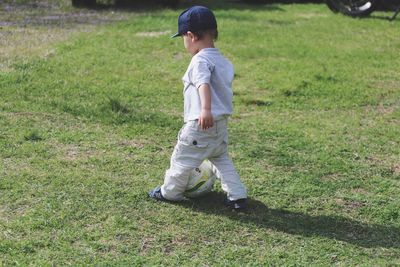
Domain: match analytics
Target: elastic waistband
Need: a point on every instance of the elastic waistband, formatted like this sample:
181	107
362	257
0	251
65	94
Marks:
218	124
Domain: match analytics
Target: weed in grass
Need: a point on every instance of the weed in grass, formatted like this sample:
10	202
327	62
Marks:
33	135
117	106
257	102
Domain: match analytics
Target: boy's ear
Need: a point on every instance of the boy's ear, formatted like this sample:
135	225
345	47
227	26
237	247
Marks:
192	36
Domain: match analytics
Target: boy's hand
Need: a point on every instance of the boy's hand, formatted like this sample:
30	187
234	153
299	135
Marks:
206	119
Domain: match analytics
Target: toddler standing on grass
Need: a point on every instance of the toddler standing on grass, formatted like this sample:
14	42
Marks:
207	107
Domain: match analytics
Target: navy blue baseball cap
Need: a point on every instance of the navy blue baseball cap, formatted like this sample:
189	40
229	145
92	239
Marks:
196	18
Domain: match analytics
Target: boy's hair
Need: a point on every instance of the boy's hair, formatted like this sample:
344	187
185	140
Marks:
212	32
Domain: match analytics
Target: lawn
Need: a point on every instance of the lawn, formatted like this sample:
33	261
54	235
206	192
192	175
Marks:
89	117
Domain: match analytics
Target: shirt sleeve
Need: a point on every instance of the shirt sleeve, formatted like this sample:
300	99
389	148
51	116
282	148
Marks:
201	73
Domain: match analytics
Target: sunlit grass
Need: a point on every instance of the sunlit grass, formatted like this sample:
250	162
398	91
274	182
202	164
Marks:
88	129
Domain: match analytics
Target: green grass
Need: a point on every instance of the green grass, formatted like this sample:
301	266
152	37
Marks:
87	130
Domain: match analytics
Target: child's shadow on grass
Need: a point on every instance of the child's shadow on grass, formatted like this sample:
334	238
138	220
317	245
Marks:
334	227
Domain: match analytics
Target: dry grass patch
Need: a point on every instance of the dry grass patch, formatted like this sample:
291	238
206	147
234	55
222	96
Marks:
135	143
14	46
311	15
153	34
396	169
349	205
28	30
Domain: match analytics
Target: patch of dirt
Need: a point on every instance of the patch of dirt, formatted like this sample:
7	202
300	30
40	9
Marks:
387	84
74	152
311	15
396	169
28	30
174	243
179	56
374	160
48	13
140	143
385	110
152	34
12	166
71	152
146	244
331	176
349	204
359	191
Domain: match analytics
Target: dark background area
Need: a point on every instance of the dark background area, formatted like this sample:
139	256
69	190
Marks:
386	4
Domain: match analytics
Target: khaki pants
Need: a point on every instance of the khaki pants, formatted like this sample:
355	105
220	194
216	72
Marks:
193	147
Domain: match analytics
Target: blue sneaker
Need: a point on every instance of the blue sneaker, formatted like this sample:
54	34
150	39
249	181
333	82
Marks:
156	194
237	205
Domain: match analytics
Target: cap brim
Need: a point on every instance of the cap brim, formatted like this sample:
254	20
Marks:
176	35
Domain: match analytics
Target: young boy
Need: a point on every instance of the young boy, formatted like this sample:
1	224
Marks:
207	106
